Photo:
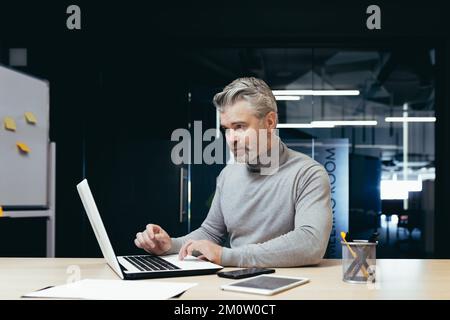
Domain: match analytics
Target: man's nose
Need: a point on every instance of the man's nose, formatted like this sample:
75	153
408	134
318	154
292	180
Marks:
232	136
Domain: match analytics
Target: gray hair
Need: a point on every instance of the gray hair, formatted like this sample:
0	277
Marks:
251	89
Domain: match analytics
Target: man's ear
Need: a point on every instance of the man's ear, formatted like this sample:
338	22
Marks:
271	120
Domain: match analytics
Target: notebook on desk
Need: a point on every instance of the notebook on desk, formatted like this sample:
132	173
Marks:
102	289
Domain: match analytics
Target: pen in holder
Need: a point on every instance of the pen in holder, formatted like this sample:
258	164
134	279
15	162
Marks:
358	261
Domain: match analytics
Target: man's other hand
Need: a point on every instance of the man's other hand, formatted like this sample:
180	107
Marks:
153	239
209	250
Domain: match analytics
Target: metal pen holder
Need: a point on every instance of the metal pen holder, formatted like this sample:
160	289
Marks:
359	261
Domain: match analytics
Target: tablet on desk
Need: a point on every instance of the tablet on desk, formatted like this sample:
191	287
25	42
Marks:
265	284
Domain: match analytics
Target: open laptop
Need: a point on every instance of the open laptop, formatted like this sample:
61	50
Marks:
139	266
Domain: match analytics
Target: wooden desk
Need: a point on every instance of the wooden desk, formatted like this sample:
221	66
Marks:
400	279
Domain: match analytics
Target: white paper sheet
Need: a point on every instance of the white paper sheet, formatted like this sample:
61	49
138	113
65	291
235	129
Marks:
97	289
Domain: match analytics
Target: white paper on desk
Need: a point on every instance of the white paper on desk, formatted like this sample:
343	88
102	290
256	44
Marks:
97	289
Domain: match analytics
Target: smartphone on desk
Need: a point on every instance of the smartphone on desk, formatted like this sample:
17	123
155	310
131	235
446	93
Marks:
244	273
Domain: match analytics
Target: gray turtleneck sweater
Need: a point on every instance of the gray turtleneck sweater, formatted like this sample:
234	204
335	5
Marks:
278	220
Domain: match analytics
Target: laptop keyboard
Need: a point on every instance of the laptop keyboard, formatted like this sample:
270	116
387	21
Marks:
150	263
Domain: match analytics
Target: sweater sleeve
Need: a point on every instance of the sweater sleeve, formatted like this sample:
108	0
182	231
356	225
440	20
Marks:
307	243
213	227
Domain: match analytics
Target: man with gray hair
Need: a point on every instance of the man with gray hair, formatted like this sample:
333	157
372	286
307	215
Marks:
276	213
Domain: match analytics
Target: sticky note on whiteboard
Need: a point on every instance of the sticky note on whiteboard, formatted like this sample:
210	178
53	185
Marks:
23	147
10	124
30	117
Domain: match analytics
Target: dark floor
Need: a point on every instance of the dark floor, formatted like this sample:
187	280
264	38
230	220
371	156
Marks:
398	242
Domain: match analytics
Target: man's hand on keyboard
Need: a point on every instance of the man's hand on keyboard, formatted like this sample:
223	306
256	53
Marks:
153	239
209	250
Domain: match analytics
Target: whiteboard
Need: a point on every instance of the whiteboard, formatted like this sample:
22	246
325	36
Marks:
23	177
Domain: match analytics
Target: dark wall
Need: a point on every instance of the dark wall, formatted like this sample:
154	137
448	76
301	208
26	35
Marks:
364	195
118	89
